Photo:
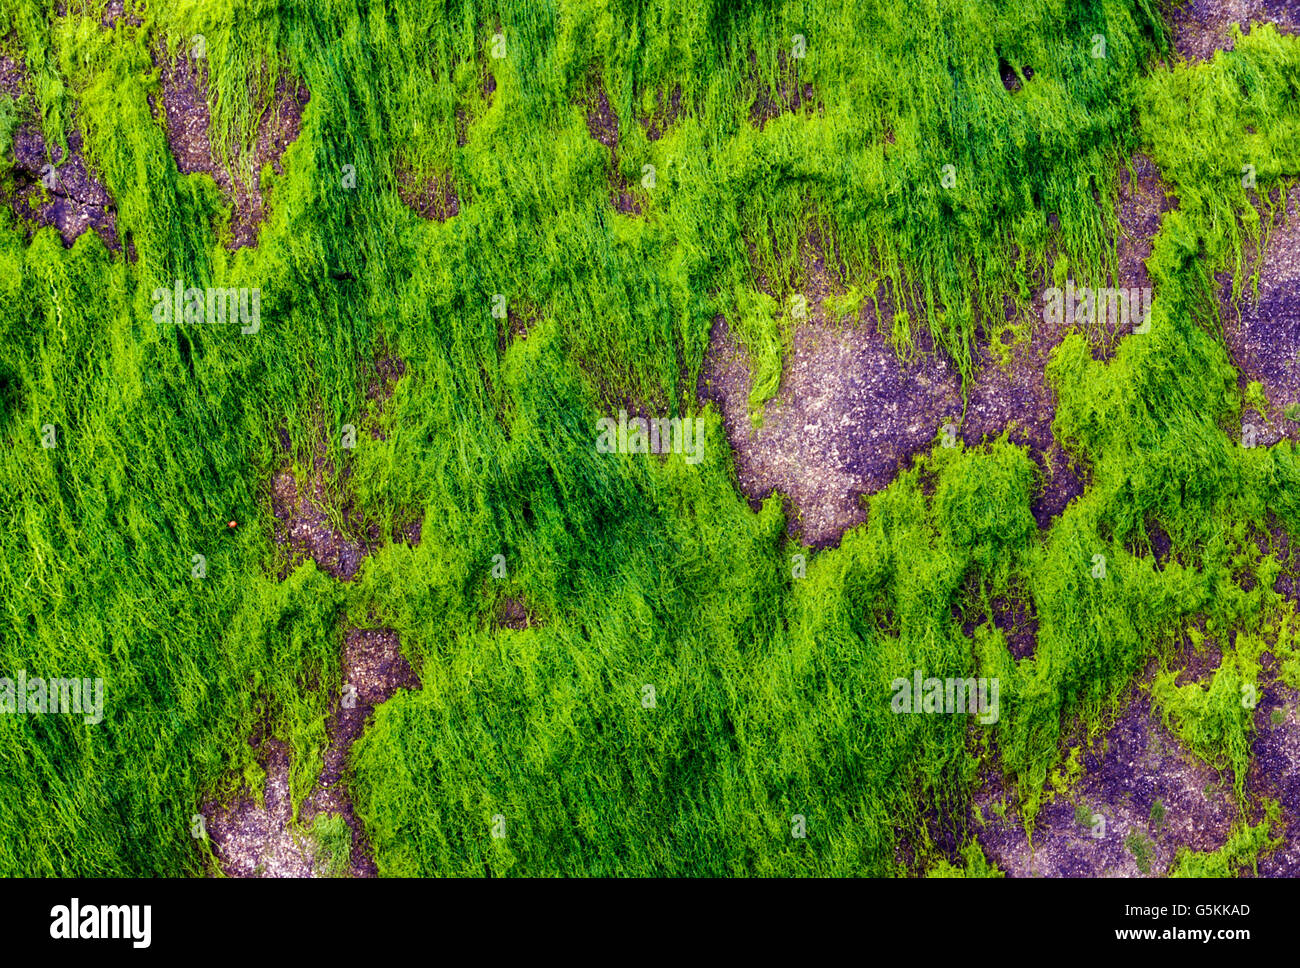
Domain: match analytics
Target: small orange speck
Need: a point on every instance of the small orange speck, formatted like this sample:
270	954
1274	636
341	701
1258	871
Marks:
233	524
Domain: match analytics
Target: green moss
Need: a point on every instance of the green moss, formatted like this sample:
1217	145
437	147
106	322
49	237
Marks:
1142	849
1254	398
1157	815
772	692
333	844
975	865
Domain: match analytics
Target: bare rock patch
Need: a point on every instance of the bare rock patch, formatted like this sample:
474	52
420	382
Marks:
1144	198
304	526
1264	341
1202	27
848	416
1275	771
513	613
114	12
602	124
48	186
433	198
252	839
850	413
1153	796
188	122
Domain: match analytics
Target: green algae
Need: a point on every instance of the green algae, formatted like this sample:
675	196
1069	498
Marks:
771	691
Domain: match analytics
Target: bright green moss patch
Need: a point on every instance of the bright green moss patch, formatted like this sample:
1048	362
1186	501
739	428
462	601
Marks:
333	843
1215	720
687	702
975	865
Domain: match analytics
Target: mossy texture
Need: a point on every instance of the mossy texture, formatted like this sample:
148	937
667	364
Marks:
770	692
